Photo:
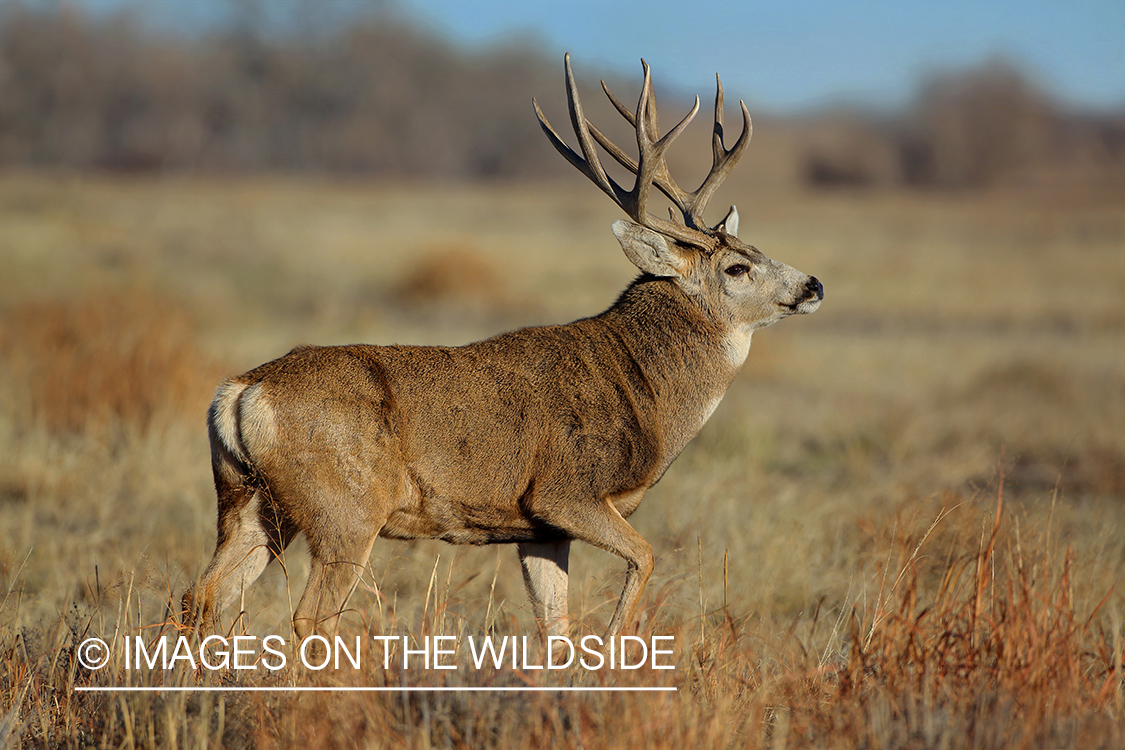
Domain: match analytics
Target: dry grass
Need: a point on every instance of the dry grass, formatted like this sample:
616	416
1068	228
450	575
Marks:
902	528
108	358
453	279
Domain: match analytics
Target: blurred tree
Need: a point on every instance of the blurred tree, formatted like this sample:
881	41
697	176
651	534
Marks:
368	95
978	128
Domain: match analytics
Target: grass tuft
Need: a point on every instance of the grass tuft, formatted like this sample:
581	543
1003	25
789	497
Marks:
103	359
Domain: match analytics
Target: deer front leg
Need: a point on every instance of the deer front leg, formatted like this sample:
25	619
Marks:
602	525
545	567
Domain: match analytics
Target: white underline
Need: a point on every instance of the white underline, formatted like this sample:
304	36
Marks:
441	689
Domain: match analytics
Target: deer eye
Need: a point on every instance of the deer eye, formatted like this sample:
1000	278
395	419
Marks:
736	270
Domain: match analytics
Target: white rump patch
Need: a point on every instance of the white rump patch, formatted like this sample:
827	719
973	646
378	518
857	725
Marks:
224	416
257	419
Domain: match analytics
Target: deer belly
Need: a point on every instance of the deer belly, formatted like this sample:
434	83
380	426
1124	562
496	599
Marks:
461	513
479	526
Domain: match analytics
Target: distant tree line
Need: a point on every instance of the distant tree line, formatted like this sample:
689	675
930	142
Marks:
374	96
974	128
377	96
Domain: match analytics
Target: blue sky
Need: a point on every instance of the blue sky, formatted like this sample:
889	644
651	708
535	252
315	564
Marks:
793	54
788	55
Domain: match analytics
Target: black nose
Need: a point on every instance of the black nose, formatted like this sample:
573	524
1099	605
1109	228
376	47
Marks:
814	288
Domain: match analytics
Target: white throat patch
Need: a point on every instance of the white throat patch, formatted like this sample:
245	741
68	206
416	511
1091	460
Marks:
738	346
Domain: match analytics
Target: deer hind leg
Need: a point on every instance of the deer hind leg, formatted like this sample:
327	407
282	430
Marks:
337	563
251	534
545	567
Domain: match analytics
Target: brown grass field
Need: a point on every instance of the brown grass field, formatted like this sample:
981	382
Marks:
903	528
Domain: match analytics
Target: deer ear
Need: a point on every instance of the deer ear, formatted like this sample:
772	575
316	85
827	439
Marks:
729	224
650	251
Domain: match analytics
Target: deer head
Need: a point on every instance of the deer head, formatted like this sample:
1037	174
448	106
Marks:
738	285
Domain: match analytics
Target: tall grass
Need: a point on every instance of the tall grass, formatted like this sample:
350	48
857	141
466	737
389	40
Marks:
986	635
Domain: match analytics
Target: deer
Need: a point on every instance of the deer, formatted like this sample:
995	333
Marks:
540	436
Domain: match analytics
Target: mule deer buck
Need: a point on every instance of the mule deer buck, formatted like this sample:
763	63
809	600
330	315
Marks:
539	436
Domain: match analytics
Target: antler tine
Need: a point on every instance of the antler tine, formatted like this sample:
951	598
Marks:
589	165
578	122
650	152
724	159
717	133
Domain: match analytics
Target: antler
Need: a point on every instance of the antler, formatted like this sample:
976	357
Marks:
650	167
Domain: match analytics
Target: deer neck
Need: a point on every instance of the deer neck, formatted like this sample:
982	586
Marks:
687	357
